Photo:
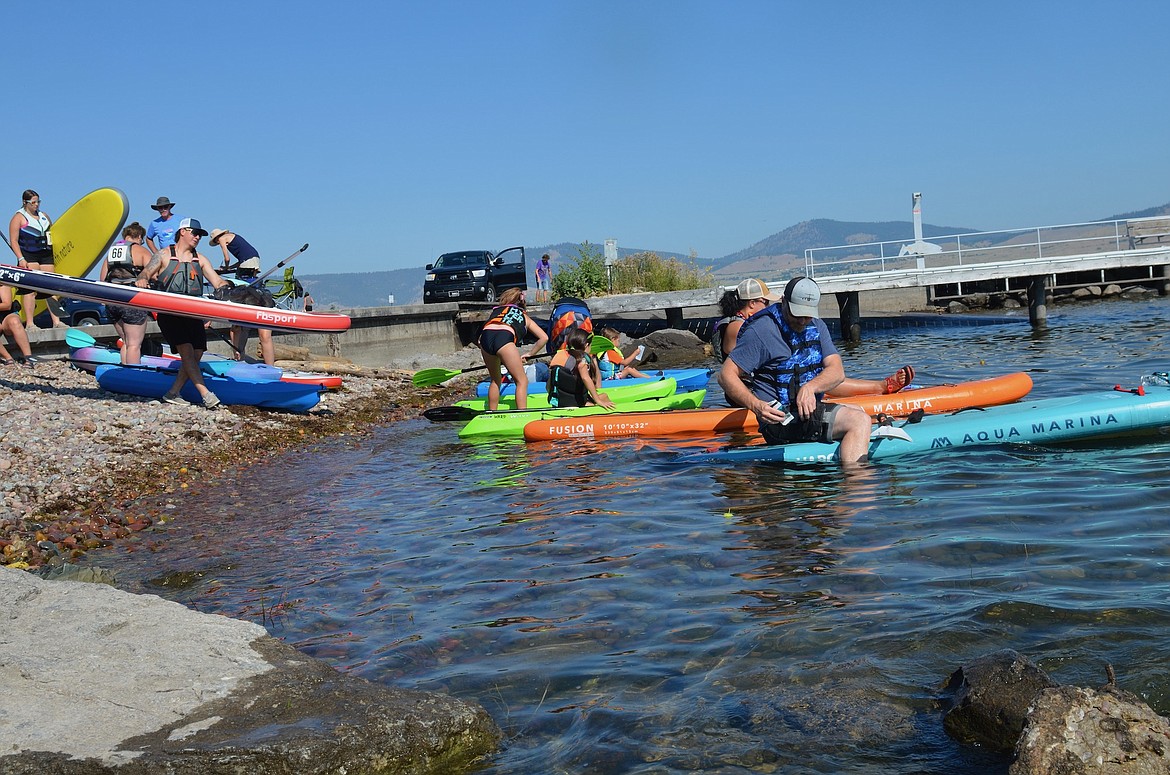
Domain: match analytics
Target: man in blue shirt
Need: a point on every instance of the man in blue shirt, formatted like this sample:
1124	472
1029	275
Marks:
788	356
161	231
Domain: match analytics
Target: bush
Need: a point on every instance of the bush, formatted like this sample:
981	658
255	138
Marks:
585	278
636	273
643	272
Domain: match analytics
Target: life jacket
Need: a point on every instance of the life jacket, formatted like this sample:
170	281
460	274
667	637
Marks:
610	362
717	337
804	363
182	277
120	265
510	315
34	240
565	387
568	313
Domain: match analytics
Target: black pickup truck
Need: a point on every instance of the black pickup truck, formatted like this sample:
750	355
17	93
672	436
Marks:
479	275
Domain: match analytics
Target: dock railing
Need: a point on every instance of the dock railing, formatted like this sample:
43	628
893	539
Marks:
969	249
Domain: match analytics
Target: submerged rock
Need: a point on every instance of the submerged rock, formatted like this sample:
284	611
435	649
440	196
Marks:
991	698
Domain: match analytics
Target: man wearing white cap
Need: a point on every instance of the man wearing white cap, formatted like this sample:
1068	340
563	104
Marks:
786	352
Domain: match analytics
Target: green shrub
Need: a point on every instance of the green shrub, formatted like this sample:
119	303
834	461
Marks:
646	272
585	278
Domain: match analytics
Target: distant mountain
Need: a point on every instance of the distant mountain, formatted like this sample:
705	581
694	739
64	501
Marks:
772	256
365	289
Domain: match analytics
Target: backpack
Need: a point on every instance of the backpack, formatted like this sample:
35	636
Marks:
568	313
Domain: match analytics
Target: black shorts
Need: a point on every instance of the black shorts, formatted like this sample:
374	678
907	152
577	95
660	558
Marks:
131	316
491	342
818	427
178	330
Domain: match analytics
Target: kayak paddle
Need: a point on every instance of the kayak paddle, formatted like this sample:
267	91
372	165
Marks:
429	377
464	413
78	339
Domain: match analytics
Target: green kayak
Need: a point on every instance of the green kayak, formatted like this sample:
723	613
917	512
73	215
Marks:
511	424
619	395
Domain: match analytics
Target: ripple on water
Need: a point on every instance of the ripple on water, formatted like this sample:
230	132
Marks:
618	615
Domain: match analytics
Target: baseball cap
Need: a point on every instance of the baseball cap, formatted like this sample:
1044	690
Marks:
193	225
802	297
752	288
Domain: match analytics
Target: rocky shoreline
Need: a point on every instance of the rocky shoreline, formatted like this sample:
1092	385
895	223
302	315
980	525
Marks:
73	457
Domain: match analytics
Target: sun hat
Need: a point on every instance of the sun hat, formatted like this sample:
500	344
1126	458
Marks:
802	296
216	234
162	202
193	225
752	288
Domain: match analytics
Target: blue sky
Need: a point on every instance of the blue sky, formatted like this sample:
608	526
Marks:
385	133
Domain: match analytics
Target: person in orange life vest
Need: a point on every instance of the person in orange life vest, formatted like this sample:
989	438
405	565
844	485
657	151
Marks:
181	268
499	344
574	378
753	295
613	364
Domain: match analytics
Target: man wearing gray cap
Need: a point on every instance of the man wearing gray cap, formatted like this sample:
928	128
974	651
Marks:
786	352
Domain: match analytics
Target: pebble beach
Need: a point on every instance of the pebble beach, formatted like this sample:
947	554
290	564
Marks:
73	457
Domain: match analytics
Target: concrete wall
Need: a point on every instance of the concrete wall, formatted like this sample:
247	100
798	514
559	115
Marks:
378	335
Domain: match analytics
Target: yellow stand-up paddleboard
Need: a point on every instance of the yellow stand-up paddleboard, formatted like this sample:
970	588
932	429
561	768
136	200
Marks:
84	232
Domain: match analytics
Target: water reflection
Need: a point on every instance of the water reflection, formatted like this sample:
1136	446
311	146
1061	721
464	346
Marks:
617	615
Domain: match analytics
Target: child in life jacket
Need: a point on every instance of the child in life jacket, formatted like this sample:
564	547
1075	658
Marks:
573	375
613	364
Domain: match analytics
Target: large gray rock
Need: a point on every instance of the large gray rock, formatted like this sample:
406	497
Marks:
1075	731
102	681
991	698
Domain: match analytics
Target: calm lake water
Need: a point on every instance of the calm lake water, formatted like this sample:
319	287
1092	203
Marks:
619	615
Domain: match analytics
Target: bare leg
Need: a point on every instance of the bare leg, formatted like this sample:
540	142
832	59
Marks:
28	304
852	428
239	339
493	367
11	326
510	355
267	350
132	336
189	370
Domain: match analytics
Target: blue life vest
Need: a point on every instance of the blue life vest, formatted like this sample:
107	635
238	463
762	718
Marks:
805	362
33	238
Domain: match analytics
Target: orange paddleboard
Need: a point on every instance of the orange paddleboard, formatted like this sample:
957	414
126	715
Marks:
931	400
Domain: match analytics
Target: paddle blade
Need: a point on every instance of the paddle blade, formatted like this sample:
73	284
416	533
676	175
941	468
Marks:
77	339
450	414
428	377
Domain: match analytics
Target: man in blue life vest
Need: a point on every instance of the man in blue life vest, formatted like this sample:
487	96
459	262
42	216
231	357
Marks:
786	353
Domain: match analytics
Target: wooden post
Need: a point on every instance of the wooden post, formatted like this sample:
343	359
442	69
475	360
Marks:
847	302
1037	306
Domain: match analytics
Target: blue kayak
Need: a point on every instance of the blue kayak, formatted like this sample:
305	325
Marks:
687	379
151	382
1097	415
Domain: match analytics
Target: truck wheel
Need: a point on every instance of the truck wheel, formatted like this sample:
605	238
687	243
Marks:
86	320
490	295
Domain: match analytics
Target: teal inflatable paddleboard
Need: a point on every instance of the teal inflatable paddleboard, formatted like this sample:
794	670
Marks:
1097	415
